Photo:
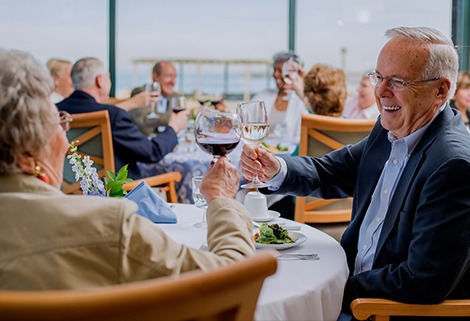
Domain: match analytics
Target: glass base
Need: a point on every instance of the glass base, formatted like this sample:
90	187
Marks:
255	185
201	225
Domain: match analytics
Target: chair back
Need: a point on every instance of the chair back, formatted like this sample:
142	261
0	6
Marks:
319	136
227	293
93	133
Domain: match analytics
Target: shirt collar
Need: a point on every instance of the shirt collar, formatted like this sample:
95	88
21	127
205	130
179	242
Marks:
412	139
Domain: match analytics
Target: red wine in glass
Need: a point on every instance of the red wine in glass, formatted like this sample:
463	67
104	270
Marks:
178	104
218	147
216	133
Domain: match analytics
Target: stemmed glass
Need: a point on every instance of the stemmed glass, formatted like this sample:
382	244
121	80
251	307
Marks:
254	130
154	86
216	132
199	201
178	104
290	70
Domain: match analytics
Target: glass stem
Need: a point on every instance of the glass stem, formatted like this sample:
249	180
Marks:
204	222
255	178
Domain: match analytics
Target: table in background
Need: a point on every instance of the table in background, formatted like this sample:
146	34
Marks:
300	290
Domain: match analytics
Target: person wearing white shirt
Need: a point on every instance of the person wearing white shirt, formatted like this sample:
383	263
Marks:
283	106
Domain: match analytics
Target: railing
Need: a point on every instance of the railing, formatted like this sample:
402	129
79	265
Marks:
180	63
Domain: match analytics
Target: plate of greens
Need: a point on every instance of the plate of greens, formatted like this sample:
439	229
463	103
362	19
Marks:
273	236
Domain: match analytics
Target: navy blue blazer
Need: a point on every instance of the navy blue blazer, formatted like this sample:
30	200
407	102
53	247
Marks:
130	145
423	253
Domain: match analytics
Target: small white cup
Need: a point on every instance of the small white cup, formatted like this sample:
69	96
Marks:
256	204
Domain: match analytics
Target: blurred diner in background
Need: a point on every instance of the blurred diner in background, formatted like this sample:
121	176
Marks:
92	85
461	99
60	72
362	105
283	107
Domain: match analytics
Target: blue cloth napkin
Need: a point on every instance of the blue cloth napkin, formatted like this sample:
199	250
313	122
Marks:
151	205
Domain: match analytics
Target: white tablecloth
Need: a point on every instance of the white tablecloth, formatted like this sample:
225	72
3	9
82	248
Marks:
300	290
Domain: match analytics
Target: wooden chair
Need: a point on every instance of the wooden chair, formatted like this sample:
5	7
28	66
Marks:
319	136
227	293
381	309
93	131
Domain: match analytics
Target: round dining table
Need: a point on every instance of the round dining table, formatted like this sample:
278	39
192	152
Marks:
309	289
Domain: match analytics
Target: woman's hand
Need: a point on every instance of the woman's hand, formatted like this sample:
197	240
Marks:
221	181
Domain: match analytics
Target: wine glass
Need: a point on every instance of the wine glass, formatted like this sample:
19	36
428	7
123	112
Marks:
290	70
216	132
199	200
154	86
254	130
178	104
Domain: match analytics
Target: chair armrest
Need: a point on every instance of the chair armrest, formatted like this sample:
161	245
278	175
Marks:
167	179
363	308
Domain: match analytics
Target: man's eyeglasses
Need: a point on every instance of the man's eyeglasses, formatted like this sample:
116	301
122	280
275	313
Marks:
65	120
394	83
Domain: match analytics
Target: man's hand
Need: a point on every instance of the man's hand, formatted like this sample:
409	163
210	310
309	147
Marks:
179	120
258	160
142	99
221	181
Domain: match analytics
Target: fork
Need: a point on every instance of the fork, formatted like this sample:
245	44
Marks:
298	256
287	227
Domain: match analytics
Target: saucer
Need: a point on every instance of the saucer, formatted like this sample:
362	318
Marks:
272	215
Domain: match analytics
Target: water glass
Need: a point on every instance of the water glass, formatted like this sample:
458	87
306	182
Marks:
199	200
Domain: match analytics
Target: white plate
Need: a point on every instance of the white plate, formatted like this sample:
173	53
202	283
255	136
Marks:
272	215
299	238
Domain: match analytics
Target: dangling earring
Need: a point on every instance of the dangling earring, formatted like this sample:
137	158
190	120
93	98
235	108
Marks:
42	176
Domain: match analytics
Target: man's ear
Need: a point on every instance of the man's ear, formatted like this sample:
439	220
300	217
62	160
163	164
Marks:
443	89
99	81
26	163
155	77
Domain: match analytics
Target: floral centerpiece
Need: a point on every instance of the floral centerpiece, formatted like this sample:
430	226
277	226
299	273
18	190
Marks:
88	176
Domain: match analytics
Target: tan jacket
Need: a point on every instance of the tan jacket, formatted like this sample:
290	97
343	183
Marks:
49	240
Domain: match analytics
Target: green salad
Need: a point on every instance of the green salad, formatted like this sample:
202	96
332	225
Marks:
272	234
278	147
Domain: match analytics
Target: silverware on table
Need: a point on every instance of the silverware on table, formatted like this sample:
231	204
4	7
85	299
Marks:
298	256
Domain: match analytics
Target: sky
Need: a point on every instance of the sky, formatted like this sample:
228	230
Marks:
212	29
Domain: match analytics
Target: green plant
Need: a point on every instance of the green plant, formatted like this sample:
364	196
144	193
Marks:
88	176
115	182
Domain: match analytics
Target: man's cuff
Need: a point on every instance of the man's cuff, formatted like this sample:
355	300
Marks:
278	179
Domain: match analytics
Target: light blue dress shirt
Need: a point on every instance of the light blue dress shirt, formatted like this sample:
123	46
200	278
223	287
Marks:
371	227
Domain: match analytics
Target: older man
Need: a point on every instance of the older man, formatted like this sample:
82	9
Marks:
408	239
163	72
92	85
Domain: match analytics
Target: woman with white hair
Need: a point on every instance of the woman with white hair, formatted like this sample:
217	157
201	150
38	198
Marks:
50	240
